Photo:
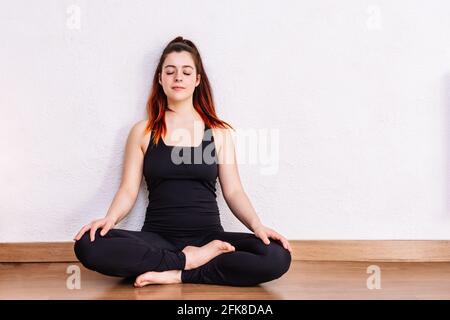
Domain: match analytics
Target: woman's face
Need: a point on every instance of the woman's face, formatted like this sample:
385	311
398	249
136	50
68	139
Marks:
178	70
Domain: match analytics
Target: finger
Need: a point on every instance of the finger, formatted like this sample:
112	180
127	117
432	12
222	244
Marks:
285	243
81	232
93	230
283	240
273	235
105	229
265	239
76	237
263	236
288	245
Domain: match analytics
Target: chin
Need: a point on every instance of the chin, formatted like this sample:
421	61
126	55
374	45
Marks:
176	97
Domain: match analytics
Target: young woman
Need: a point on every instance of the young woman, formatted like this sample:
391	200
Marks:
181	150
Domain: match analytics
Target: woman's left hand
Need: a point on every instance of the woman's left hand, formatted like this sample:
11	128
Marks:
264	233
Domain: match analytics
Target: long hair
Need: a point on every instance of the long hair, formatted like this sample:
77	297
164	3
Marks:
202	96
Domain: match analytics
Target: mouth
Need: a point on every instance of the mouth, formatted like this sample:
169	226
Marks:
178	88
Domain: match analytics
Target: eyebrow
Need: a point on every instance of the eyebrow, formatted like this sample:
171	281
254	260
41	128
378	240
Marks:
170	65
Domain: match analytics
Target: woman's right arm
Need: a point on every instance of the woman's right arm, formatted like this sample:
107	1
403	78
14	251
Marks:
125	197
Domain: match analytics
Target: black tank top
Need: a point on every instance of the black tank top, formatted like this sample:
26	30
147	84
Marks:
181	182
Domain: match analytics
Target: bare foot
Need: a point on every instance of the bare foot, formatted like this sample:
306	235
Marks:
153	277
198	256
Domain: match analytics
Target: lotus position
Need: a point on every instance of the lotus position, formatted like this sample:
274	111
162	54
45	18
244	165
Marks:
182	149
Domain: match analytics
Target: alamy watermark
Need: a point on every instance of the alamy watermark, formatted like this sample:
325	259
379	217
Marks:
73	21
73	281
241	146
374	280
374	20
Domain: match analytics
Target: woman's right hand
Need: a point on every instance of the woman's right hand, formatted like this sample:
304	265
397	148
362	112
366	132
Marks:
105	224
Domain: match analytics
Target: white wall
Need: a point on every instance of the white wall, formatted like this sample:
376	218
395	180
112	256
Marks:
359	91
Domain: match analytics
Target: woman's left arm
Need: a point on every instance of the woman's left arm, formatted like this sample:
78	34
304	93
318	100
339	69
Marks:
233	191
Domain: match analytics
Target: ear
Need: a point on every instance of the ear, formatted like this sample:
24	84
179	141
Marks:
159	78
199	76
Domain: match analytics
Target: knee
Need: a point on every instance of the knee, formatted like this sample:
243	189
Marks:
85	250
278	259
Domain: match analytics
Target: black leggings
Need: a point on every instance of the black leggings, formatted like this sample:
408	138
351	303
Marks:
125	253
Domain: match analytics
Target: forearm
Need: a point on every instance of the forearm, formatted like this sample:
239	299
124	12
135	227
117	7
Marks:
121	205
242	208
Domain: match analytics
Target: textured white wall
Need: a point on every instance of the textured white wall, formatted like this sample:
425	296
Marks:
359	91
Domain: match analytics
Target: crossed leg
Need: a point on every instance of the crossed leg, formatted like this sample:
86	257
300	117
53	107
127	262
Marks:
126	253
252	263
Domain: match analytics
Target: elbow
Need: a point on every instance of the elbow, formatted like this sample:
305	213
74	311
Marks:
130	192
232	193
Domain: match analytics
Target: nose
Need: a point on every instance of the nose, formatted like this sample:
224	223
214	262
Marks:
178	75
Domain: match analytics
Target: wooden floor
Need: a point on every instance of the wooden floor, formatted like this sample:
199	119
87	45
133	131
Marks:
305	280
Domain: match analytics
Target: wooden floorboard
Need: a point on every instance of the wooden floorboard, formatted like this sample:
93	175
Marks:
305	280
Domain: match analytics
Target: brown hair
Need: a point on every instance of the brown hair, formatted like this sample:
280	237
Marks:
202	97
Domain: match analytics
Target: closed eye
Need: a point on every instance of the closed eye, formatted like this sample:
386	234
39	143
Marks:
188	74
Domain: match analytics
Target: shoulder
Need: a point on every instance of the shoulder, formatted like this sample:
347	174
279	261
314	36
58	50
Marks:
141	124
222	133
138	134
139	127
224	138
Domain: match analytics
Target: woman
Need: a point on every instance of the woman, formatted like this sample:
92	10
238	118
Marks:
182	240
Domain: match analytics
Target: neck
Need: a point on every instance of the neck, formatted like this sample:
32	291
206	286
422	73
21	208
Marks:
182	109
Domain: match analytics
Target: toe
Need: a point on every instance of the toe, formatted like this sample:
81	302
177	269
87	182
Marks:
229	247
139	280
226	246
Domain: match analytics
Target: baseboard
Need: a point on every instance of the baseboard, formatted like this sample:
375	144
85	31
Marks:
373	250
314	250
